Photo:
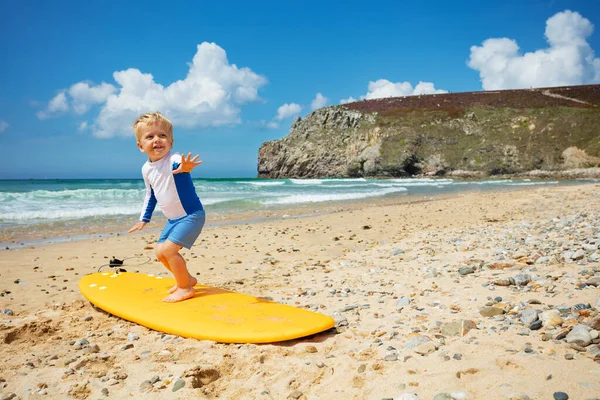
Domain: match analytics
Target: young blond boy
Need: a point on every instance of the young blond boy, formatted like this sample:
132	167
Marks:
168	183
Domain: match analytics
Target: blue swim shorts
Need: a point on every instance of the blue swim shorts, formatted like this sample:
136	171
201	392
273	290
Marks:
185	230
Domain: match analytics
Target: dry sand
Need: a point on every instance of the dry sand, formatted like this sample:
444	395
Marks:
389	274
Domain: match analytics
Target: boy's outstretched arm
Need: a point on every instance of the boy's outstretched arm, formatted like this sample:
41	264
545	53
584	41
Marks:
187	163
138	227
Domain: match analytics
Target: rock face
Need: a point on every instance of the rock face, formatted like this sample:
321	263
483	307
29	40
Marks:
480	133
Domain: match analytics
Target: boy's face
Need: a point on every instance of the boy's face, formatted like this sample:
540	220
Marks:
154	141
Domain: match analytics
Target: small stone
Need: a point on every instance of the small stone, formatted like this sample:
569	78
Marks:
490	311
551	318
295	395
310	349
579	335
81	342
127	346
593	351
536	325
146	386
560	396
442	396
8	311
529	316
458	327
92	349
594	323
416	341
362	368
569	356
179	383
402	302
132	336
425	348
522	279
595	281
466	270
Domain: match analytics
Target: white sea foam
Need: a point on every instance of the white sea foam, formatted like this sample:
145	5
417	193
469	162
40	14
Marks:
532	183
273	183
407	183
345	180
486	182
422	180
70	213
77	194
306	181
316	198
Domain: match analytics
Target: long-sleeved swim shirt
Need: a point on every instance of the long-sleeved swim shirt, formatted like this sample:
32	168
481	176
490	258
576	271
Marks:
174	193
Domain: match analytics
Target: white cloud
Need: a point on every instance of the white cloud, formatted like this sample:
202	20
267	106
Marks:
3	126
57	105
83	126
319	101
288	110
384	88
84	95
273	125
211	94
569	59
81	97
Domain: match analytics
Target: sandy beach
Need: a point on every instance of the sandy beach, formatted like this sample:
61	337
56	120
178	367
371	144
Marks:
482	295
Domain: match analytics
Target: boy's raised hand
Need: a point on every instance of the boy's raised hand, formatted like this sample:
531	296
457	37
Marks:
138	227
187	163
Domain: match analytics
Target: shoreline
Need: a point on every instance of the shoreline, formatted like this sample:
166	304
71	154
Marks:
104	227
421	293
233	218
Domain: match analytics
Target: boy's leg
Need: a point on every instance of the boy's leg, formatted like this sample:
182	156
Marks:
161	256
177	265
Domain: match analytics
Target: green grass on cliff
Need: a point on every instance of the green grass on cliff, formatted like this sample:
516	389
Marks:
494	140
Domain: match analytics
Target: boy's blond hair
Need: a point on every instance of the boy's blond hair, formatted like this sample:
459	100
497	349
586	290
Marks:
152	118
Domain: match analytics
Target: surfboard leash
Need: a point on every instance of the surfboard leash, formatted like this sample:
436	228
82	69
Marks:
117	265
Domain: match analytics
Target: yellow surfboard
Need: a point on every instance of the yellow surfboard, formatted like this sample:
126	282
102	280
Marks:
213	314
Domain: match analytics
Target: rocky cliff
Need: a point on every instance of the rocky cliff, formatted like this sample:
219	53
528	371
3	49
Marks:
487	133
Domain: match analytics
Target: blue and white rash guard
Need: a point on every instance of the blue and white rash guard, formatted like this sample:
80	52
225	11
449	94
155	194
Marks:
175	193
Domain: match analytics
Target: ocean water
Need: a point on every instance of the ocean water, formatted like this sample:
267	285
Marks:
33	205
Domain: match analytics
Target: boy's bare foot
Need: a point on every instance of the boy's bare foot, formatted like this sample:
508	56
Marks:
193	282
180	294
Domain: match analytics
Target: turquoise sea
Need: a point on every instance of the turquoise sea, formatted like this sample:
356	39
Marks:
47	208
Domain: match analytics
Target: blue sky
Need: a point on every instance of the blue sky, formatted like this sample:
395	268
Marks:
74	75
